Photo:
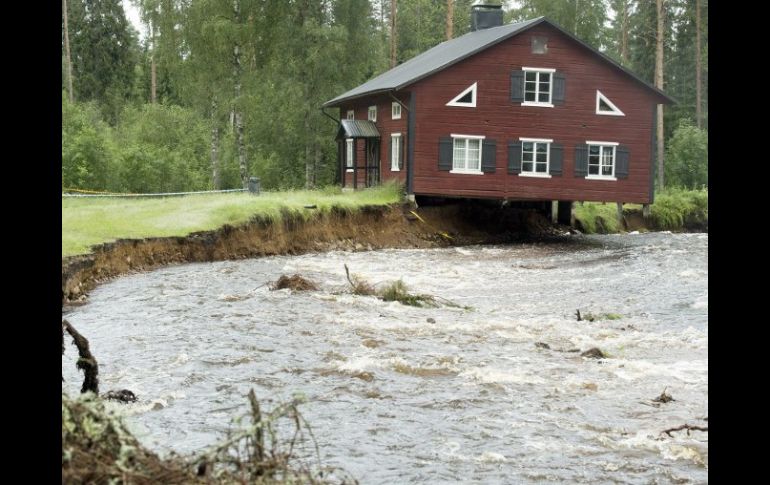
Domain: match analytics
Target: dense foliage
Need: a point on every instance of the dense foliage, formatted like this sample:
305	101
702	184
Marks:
216	90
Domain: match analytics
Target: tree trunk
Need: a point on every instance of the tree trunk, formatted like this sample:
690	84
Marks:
393	33
450	14
153	80
153	76
67	51
698	93
215	147
238	116
577	16
309	169
659	85
624	57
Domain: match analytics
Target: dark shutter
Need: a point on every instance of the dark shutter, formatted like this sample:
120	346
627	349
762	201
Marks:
445	153
559	88
488	156
517	86
514	156
622	157
403	153
557	157
581	160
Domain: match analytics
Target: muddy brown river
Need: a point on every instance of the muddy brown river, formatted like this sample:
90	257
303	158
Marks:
399	394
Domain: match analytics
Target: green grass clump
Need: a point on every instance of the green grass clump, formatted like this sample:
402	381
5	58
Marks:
676	208
398	291
90	221
597	218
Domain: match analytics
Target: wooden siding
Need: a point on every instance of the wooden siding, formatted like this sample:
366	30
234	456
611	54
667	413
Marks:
497	118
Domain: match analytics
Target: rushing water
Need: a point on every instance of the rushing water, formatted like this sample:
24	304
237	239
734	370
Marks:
396	398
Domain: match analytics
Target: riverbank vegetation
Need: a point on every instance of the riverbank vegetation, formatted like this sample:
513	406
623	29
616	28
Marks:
675	209
89	221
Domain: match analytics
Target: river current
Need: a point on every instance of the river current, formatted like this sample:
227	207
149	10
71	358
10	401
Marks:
490	393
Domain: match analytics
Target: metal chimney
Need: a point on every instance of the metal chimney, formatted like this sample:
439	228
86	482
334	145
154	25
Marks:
486	16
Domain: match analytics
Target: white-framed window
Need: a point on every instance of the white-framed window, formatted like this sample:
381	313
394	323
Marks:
395	152
535	157
395	111
467	98
351	114
373	114
466	154
538	86
349	147
606	107
601	160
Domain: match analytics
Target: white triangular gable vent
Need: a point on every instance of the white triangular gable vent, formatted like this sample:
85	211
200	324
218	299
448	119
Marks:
467	98
606	107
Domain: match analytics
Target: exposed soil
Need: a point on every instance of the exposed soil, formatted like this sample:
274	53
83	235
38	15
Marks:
370	227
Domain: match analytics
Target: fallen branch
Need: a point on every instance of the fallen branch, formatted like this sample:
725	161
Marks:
87	362
685	426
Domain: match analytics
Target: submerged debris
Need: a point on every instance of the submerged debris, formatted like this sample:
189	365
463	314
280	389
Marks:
359	285
594	353
294	283
123	395
688	427
600	316
398	291
542	345
664	397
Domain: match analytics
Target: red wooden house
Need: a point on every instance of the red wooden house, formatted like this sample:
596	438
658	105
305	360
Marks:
523	111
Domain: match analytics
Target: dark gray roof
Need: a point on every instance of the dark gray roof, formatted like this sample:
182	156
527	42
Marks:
357	129
453	51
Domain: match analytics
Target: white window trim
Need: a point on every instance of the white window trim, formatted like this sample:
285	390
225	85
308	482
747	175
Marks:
348	151
371	118
615	110
614	146
545	175
392	110
481	155
351	114
470	89
541	104
601	177
537	140
541	69
394	168
533	103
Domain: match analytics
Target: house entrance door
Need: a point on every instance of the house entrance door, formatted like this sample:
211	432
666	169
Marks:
372	162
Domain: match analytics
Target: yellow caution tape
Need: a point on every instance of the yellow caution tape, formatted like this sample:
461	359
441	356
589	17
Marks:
440	233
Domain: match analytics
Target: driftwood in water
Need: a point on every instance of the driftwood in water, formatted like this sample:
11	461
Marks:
687	427
86	362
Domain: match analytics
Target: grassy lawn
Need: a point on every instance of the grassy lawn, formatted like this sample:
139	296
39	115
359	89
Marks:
89	221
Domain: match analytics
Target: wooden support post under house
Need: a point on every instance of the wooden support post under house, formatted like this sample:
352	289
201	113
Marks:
646	211
554	211
564	212
621	219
